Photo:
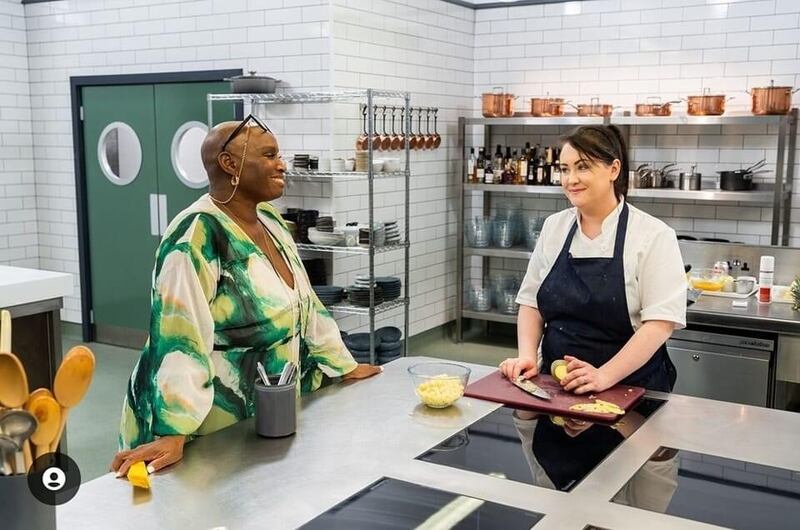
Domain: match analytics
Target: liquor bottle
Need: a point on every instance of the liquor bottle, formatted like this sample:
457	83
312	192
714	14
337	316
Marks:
555	176
522	164
548	166
540	166
533	166
470	177
488	174
497	162
510	170
480	167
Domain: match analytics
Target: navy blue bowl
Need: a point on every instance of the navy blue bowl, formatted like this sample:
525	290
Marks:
389	334
390	353
360	341
390	346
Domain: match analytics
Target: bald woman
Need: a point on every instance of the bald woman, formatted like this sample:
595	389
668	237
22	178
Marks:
229	290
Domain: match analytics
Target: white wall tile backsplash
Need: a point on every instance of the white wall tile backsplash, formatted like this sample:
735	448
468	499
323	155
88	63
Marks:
621	51
671	49
287	39
19	236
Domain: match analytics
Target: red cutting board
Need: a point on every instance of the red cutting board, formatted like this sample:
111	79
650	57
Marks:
495	387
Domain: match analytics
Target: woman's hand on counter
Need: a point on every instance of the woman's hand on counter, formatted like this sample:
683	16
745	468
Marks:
158	454
362	371
582	377
515	366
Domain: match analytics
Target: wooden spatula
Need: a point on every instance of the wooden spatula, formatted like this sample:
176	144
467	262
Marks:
5	331
47	412
71	383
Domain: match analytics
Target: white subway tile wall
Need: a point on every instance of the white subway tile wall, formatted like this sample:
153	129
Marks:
288	39
424	47
671	49
620	51
19	236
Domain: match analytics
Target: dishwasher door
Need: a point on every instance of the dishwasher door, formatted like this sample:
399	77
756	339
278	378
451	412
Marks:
721	372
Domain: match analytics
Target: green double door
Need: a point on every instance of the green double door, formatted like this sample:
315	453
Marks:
142	167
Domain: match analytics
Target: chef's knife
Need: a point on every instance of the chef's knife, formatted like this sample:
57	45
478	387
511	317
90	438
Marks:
528	386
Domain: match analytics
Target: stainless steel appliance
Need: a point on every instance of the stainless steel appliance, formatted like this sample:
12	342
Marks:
727	367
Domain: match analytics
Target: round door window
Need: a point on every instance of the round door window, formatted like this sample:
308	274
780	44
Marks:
119	153
185	154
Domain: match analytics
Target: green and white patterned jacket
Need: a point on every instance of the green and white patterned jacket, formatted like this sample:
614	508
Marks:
218	307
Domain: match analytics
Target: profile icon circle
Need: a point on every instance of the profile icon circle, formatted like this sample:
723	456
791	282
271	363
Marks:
54	479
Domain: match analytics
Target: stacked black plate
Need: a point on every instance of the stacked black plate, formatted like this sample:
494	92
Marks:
329	294
392	233
358	344
390	285
305	220
325	223
301	161
315	267
359	295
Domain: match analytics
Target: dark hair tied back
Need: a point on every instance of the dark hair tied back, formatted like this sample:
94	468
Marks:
602	143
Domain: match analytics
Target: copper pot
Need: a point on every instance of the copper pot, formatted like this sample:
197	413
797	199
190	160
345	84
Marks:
545	107
706	105
654	107
595	109
497	104
772	99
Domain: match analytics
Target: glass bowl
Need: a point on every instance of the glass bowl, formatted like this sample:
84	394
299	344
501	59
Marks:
706	279
437	384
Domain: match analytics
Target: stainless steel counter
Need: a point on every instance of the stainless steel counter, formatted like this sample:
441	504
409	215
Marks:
350	435
718	311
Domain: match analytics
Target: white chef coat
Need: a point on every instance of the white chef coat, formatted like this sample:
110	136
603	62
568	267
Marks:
655	282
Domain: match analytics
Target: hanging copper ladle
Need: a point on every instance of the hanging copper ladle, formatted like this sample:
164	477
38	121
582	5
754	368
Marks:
397	139
412	138
437	139
376	138
361	141
428	137
420	136
386	138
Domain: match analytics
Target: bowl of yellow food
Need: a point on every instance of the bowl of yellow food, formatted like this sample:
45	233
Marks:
438	384
707	279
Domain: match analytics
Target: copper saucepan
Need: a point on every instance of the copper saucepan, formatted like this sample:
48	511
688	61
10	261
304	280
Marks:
595	108
772	99
545	107
654	107
497	104
706	105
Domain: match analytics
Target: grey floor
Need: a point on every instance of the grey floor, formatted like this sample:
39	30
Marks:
93	425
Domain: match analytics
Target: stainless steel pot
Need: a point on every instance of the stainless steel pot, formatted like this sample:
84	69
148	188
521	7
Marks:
253	84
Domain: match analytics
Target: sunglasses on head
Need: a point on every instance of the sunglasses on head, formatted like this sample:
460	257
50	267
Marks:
242	125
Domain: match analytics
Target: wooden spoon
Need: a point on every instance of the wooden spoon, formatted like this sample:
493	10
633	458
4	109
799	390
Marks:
13	381
47	412
71	383
5	331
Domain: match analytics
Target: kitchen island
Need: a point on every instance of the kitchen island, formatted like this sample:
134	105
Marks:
351	435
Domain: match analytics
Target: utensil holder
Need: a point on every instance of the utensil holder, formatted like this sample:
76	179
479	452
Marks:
20	509
276	408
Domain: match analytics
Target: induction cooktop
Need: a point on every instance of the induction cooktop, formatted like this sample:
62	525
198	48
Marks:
716	490
389	504
538	449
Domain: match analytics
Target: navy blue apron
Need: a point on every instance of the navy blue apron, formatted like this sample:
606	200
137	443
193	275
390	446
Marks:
585	310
